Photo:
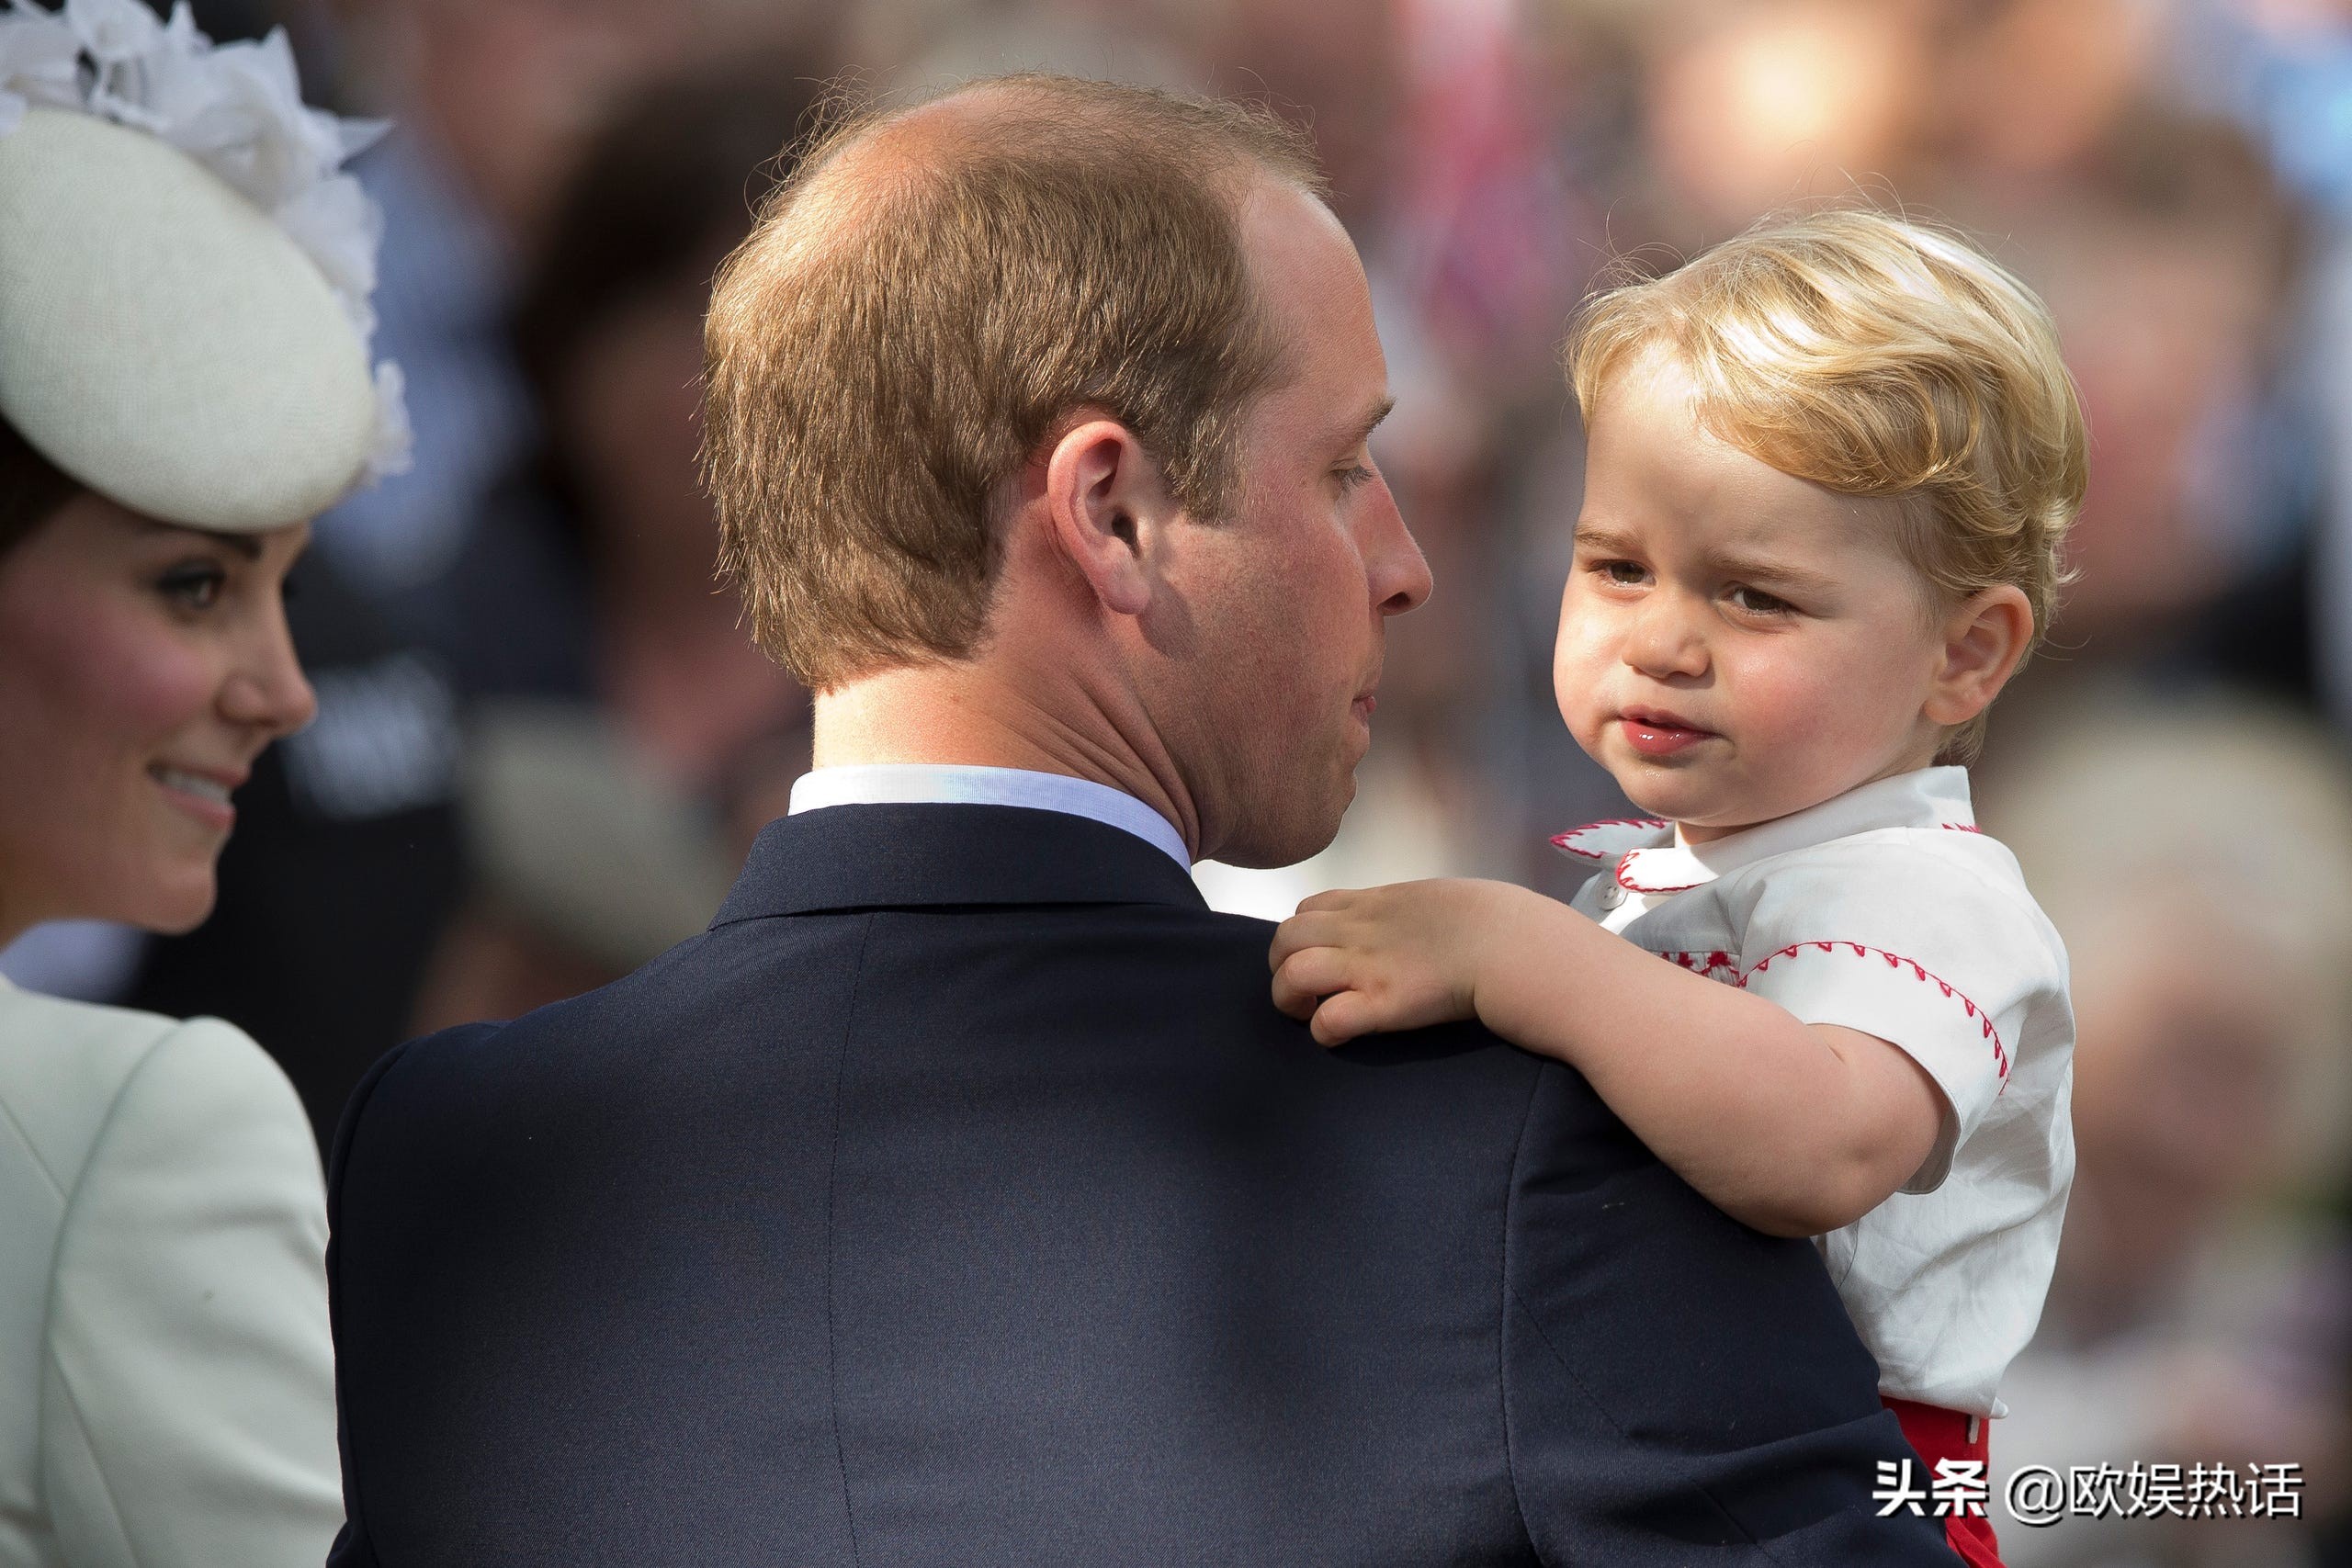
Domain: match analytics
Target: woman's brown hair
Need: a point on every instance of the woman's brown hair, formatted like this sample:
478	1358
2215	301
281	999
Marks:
31	487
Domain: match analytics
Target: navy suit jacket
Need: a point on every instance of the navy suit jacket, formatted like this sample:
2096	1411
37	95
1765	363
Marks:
960	1197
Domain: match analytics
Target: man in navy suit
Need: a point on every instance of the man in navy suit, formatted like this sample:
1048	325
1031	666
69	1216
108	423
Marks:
960	1197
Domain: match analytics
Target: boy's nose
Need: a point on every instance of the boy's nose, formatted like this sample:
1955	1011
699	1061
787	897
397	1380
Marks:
1664	643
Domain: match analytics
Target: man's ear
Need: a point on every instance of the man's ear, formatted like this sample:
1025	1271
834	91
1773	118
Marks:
1105	503
1983	640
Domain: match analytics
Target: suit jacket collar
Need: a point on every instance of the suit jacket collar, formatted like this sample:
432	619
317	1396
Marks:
873	857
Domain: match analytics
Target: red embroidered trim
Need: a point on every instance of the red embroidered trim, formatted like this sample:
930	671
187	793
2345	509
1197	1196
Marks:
1962	826
1560	840
1637	887
1707	963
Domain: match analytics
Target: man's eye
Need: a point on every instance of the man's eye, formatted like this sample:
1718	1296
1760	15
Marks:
194	586
1756	602
1354	475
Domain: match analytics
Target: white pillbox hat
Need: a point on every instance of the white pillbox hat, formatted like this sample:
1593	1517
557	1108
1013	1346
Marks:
183	271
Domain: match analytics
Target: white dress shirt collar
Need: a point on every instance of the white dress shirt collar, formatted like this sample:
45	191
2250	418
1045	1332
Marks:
930	783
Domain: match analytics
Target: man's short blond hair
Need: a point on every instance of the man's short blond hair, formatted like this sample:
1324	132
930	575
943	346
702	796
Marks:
924	297
1875	355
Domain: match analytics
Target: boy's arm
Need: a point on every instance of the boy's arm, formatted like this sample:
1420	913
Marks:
1796	1129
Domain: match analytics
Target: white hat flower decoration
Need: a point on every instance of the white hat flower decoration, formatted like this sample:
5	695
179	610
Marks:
209	258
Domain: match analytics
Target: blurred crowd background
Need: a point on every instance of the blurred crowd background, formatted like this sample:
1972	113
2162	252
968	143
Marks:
544	742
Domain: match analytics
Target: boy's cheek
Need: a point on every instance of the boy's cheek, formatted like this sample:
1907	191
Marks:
1577	671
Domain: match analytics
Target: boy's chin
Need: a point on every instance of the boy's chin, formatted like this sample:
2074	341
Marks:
1696	810
1676	794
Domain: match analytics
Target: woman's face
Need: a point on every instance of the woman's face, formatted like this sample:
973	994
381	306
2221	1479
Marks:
142	669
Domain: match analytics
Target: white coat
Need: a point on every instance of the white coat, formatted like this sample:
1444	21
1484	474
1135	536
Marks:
166	1375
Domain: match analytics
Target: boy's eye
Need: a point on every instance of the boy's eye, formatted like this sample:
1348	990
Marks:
1756	602
1622	571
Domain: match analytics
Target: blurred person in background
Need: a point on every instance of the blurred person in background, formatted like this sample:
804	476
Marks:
166	1386
339	896
2170	262
2197	855
494	102
608	808
2282	69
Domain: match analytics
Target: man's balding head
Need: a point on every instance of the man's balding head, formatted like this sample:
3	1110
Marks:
932	290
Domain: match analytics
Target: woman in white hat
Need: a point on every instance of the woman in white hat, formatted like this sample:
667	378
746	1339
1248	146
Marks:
183	382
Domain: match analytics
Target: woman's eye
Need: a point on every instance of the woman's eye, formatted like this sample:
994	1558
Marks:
1756	602
194	586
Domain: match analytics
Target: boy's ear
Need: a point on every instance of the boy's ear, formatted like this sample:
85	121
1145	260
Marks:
1983	640
1107	505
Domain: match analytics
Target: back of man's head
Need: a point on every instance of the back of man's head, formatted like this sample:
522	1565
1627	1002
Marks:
920	302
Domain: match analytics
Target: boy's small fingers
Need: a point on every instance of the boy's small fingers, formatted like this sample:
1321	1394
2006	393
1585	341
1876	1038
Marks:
1289	937
1290	999
1306	946
1308	978
1304	978
1320	902
1342	1017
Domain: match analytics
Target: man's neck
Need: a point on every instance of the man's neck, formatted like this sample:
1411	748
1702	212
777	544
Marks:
966	716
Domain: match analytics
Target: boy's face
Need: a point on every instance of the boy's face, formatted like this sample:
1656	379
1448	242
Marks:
1735	644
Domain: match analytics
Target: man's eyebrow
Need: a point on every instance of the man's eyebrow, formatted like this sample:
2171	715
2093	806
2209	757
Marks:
1360	432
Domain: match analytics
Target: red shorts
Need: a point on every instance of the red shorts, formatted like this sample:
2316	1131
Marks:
1941	1434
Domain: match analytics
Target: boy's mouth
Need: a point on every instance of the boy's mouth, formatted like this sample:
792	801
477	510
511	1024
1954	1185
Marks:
1655	732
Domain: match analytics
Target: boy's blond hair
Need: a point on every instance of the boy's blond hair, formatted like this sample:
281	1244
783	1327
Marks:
1875	355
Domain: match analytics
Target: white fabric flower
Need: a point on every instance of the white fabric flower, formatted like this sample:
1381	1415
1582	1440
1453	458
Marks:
358	135
342	228
237	110
286	146
40	63
395	441
114	30
179	89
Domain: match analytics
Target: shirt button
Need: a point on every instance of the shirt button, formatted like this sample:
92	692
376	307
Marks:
1613	895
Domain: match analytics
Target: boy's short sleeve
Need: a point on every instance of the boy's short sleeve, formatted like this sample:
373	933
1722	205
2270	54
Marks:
1925	948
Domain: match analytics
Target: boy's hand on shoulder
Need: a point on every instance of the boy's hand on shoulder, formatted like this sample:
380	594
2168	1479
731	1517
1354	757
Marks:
1380	959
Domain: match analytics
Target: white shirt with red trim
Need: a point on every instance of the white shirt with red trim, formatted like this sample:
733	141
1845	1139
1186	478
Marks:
1887	911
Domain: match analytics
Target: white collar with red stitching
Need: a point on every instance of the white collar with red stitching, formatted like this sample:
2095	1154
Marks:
1651	856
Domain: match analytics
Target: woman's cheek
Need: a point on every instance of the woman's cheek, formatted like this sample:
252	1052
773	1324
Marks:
148	678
